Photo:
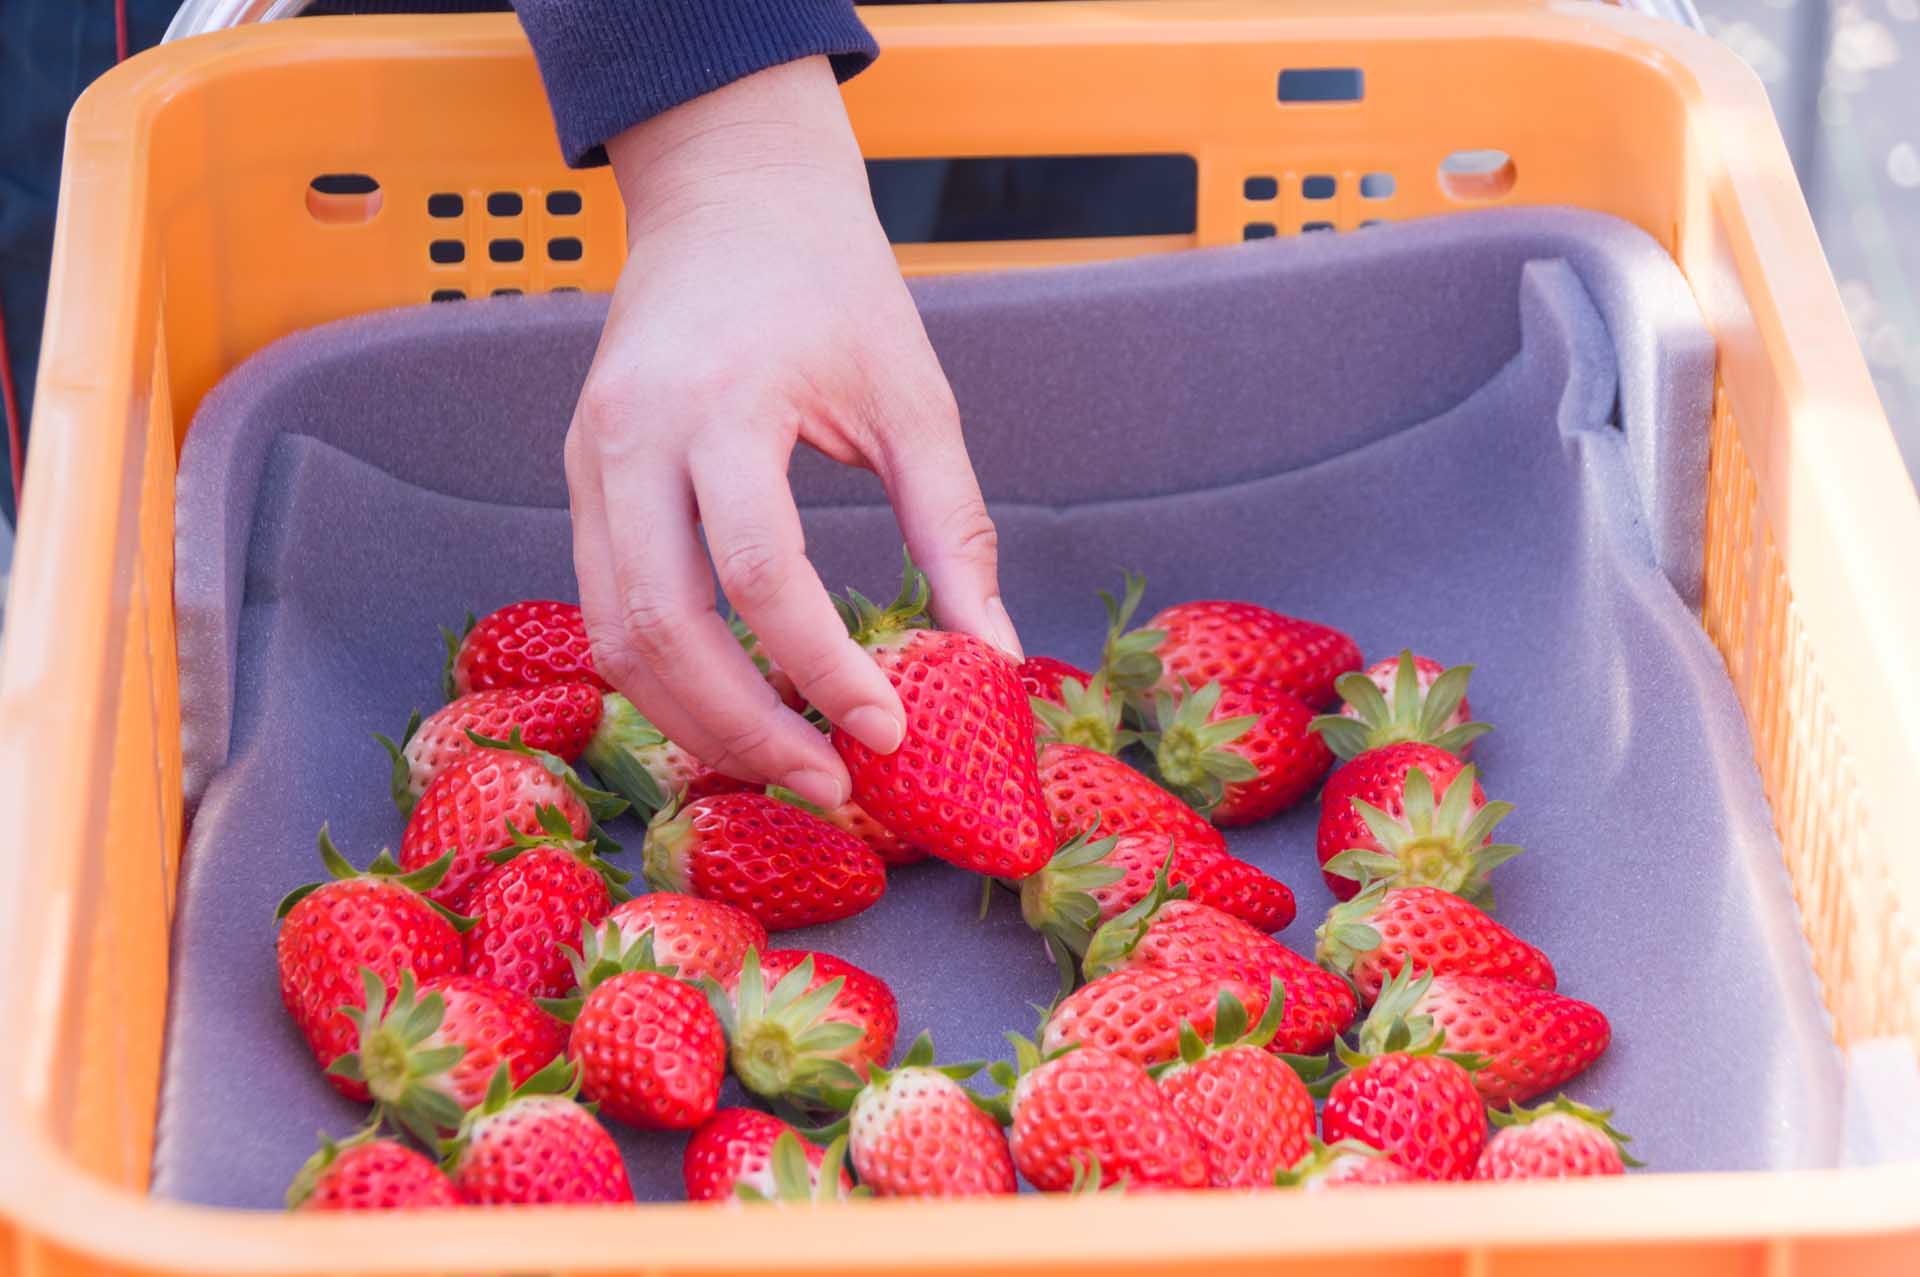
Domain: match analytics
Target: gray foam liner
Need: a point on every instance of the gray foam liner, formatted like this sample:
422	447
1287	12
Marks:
1482	436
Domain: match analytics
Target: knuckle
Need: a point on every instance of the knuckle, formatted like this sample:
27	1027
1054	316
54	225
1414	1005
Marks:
648	630
745	739
753	568
970	531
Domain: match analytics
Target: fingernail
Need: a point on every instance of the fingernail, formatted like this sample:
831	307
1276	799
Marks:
818	788
873	727
1003	636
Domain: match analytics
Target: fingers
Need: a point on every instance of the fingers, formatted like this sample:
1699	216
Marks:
759	551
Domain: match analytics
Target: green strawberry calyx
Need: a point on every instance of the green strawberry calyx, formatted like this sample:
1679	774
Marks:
780	1042
400	778
598	802
1089	716
871	625
308	1177
1406	715
918	1059
1028	1058
399	1059
619	753
795	1181
1320	1158
1089	1181
1395	1027
604	953
1131	658
1189	750
340	869
1058	900
666	854
1348	934
1445	845
560	1079
1232	1032
1560	1105
556	835
454	640
1117	938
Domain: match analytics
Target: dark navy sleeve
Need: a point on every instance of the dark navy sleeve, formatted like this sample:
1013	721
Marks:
610	64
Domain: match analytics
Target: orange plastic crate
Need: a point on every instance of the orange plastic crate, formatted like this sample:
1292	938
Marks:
189	238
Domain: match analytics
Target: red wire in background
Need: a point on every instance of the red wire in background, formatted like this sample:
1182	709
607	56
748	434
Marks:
9	396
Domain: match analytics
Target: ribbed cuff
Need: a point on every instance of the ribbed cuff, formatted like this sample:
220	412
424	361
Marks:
610	64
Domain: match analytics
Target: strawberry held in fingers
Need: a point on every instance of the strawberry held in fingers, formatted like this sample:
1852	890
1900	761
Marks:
1529	1040
1407	699
892	849
636	760
1346	1164
1369	938
804	1027
782	866
1078	1108
962	786
1250	1111
558	720
697	938
330	931
1560	1140
648	1048
369	1173
1136	1013
1238	750
533	643
533	1145
914	1131
735	1151
528	911
1409	815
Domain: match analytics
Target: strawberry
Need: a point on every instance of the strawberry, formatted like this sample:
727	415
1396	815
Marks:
1379	821
1167	933
635	759
1251	1113
734	1151
805	1027
1530	1040
1080	1108
892	849
914	1131
1238	750
474	807
1137	1012
1250	894
532	1144
377	919
1085	787
698	938
1402	1095
649	1050
1560	1140
798	1175
1341	1165
1041	676
367	1173
963	785
1083	713
530	907
778	679
428	1058
1384	928
1199	642
784	867
1407	699
533	643
559	719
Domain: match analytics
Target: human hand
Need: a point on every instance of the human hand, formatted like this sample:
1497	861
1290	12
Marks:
760	306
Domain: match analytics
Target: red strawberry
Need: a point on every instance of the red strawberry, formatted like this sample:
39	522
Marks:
474	807
914	1131
635	759
1380	821
698	938
365	1173
783	866
808	1028
1251	1113
429	1057
1383	929
1087	1110
1200	642
1530	1040
1561	1140
1238	750
852	817
1342	1165
534	643
649	1049
1402	1096
963	785
1164	932
529	909
330	930
532	1144
1235	887
559	720
733	1156
1085	787
1136	1012
1083	711
1409	698
1041	677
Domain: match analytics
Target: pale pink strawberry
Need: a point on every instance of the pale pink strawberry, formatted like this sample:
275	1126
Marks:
1560	1140
559	719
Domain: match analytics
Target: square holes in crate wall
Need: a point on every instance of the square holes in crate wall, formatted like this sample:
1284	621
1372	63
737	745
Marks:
505	242
1301	202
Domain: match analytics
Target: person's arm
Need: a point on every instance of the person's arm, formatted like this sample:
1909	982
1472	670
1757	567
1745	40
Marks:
761	307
